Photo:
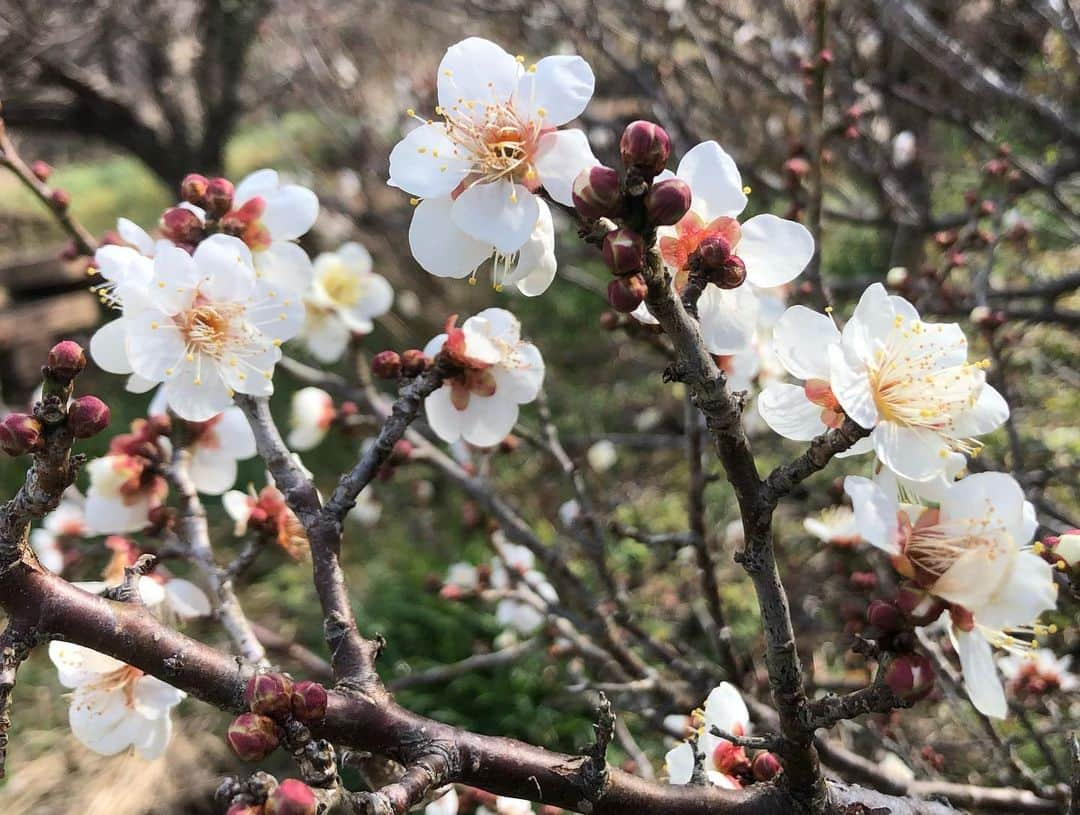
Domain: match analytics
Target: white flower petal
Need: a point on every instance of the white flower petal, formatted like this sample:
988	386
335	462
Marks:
186	600
788	412
680	763
501	214
775	250
989	413
155	345
108	347
212	472
875	513
259	182
726	709
980	676
910	452
714	181
478	71
226	265
801	338
560	158
556	91
850	384
134	234
290	212
427	163
439	246
284	264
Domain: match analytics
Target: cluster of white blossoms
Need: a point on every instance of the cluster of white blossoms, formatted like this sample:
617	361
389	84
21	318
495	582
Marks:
513	574
498	372
973	551
475	171
721	760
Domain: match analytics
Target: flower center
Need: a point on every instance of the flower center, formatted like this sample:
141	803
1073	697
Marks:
911	388
500	143
341	286
690	232
932	545
206	328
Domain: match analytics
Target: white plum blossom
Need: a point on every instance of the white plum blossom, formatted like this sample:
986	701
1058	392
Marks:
280	214
122	492
343	298
1039	671
905	148
67	521
215	445
445	251
910	384
834	525
774	250
207	328
311	414
973	552
500	372
726	711
114	706
495	144
168	597
511	612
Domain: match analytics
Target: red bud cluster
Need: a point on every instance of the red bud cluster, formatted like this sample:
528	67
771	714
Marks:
269	694
67	360
386	365
626	293
667	202
414	362
597	193
624	251
910	677
87	416
308	701
20	434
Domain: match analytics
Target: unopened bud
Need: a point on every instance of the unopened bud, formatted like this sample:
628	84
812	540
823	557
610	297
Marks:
910	677
402	449
67	359
730	759
269	694
386	365
667	202
596	193
193	189
253	737
645	147
624	251
308	701
797	167
181	225
41	170
20	434
219	196
87	416
731	275
766	767
245	809
292	797
414	362
60	199
626	293
885	617
896	277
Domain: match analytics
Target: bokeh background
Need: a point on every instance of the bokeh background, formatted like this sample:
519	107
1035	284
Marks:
124	97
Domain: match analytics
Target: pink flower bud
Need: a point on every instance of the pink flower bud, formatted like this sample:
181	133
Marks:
219	196
41	170
386	365
645	146
402	449
87	416
626	293
292	797
596	193
245	809
910	677
20	434
414	362
667	202
308	701
885	617
193	189
253	737
66	360
181	225
60	199
624	251
766	767
797	167
269	694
